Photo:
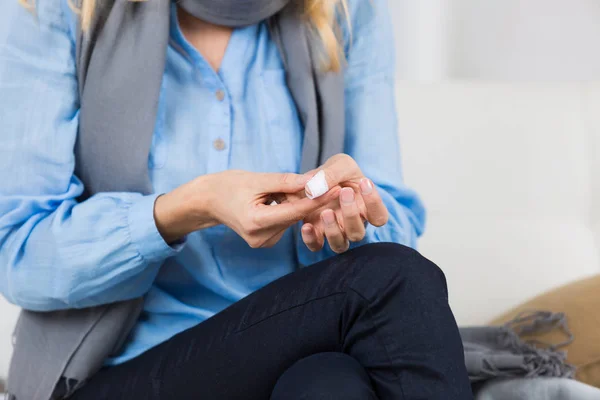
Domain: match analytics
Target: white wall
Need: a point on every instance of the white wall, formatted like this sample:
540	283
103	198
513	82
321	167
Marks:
528	40
525	40
421	33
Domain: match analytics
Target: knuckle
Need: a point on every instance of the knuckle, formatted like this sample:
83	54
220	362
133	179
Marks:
247	230
251	227
341	157
256	222
345	158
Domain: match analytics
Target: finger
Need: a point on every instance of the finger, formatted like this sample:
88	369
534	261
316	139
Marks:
333	233
377	213
313	241
354	227
338	169
282	183
289	213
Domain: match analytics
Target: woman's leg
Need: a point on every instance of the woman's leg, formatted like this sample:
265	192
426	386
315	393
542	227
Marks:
325	376
383	304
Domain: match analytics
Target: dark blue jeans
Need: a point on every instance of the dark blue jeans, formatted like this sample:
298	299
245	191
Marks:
373	323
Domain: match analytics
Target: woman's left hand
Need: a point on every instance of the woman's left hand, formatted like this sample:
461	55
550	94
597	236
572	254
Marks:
343	220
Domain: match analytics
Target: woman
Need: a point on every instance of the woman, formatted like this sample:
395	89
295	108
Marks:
227	312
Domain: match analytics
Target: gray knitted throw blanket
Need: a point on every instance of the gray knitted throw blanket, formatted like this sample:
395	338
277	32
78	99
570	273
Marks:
499	352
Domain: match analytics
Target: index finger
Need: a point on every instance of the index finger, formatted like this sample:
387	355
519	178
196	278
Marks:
287	214
281	182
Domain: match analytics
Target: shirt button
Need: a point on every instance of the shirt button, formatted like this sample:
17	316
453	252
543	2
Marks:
219	144
220	95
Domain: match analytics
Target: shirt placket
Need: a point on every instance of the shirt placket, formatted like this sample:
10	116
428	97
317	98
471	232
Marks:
220	123
217	116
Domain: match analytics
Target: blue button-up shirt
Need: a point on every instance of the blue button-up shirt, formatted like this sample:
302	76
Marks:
56	253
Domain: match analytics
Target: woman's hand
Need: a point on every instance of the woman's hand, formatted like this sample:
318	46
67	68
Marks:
342	220
238	199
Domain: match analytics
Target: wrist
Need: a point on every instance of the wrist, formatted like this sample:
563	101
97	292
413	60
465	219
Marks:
201	201
183	211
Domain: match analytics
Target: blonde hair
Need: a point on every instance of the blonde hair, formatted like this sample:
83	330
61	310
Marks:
321	14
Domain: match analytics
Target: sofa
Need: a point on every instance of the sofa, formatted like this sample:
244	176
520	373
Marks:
510	174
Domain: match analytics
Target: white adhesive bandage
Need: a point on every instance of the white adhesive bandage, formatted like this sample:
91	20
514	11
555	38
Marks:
317	186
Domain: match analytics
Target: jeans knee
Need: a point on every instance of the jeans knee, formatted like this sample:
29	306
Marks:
385	265
421	272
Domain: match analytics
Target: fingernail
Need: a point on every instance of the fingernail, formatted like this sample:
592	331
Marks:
317	186
366	187
328	217
347	196
306	229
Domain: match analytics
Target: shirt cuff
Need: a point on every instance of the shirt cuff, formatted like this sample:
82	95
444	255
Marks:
144	234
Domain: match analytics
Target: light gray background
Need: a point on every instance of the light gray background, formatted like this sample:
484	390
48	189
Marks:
521	40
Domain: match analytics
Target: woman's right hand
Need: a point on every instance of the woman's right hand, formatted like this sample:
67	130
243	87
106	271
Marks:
239	200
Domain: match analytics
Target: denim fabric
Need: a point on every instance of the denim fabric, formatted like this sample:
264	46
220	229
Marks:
384	305
325	376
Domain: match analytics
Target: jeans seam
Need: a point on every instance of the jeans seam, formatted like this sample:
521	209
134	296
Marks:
288	309
379	339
